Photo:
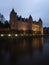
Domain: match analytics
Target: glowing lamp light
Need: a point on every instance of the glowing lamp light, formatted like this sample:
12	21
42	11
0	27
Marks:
16	34
9	35
2	35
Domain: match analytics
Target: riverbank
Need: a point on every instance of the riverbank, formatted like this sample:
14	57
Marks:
23	37
20	37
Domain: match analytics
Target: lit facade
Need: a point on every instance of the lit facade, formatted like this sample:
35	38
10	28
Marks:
25	24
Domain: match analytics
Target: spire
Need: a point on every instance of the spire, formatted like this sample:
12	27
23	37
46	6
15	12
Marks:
13	11
30	18
40	19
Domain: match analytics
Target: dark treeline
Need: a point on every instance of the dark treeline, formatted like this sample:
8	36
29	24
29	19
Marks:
46	30
5	24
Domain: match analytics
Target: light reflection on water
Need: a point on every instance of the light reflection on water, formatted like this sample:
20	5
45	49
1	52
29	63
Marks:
31	51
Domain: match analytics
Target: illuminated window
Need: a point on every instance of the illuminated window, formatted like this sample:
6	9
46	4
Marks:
2	35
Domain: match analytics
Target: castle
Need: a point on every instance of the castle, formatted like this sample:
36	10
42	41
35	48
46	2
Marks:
27	25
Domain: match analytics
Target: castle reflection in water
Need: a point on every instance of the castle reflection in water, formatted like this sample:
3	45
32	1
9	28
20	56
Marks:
21	44
17	48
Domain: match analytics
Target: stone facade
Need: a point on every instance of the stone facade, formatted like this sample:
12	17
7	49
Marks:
19	23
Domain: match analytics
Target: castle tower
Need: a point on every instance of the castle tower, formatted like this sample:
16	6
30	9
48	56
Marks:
12	19
30	22
41	25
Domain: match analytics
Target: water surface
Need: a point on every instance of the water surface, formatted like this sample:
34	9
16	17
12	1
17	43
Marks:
32	51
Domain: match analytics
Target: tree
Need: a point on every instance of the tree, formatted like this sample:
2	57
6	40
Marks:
1	24
6	24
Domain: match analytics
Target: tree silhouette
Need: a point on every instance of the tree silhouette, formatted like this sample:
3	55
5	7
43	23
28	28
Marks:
1	24
6	24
